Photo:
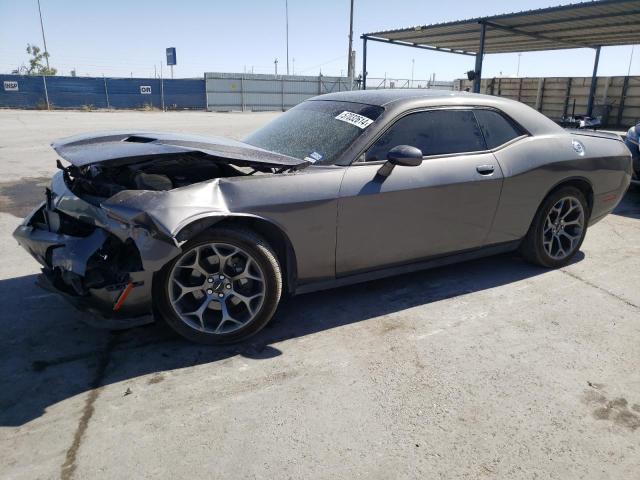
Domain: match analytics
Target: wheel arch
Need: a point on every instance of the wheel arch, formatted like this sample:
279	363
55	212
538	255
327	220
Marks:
271	232
581	183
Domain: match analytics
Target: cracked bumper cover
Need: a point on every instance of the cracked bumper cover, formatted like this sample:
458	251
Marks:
90	258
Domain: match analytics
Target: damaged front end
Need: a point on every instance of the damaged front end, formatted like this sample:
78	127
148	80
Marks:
100	264
109	223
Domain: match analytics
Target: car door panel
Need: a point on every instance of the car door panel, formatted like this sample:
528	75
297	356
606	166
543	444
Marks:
442	206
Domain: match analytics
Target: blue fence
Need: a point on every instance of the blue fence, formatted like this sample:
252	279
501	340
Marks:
18	91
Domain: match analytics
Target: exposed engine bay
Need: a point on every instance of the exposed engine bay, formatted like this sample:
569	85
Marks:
104	165
156	174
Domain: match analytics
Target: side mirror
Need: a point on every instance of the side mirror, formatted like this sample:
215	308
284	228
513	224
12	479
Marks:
401	155
405	156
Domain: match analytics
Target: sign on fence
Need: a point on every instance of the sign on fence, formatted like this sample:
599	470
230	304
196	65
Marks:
10	86
145	89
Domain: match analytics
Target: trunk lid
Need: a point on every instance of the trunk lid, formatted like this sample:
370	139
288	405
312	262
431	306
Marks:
594	133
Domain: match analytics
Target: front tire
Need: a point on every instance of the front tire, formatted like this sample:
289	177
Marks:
558	229
224	287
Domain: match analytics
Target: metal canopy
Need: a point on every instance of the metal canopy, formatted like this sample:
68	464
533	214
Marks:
580	25
592	24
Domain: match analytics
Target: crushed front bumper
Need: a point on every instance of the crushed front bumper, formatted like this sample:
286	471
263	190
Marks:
99	264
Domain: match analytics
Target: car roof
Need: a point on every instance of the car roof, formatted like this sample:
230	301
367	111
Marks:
386	96
532	120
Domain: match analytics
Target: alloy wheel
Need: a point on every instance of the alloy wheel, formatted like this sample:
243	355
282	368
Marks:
216	288
563	228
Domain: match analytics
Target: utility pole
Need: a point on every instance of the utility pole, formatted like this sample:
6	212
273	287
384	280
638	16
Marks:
518	71
275	62
630	60
286	13
46	52
161	88
350	56
286	8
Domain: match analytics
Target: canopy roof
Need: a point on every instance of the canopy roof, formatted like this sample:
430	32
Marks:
579	25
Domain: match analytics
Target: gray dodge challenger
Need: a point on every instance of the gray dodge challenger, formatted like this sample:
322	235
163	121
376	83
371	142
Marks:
208	234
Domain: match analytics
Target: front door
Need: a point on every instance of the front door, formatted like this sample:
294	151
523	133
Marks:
444	205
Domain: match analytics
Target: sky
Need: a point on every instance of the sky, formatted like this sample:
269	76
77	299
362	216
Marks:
129	37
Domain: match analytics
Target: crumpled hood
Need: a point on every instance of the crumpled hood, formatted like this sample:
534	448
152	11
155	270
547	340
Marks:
120	148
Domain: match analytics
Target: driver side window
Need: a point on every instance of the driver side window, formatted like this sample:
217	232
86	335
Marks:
435	132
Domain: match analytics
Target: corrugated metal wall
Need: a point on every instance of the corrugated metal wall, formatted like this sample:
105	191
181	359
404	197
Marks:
617	98
91	92
258	92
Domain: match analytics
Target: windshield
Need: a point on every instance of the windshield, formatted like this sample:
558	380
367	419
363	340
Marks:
316	131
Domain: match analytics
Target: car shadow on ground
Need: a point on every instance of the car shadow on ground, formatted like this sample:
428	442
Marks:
48	355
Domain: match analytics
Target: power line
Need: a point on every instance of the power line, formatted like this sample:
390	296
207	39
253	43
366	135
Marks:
341	57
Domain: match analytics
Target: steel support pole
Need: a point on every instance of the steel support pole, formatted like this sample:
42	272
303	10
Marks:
623	97
594	83
479	56
242	92
106	92
46	92
364	63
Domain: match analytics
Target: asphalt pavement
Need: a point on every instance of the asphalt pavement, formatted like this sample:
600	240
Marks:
488	369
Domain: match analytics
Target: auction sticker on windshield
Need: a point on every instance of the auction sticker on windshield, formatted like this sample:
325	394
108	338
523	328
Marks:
355	119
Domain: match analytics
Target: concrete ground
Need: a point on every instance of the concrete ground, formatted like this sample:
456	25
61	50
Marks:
488	369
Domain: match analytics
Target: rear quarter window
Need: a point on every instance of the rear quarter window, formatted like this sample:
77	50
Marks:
497	129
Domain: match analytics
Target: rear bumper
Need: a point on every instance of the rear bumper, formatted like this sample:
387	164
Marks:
605	203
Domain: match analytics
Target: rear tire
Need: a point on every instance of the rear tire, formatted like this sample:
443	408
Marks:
224	287
558	229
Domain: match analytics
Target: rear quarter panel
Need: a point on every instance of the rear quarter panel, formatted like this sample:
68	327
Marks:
535	165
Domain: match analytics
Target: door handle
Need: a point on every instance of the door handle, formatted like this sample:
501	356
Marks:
485	169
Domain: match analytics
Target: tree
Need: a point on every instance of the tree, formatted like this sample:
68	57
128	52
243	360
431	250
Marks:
36	65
